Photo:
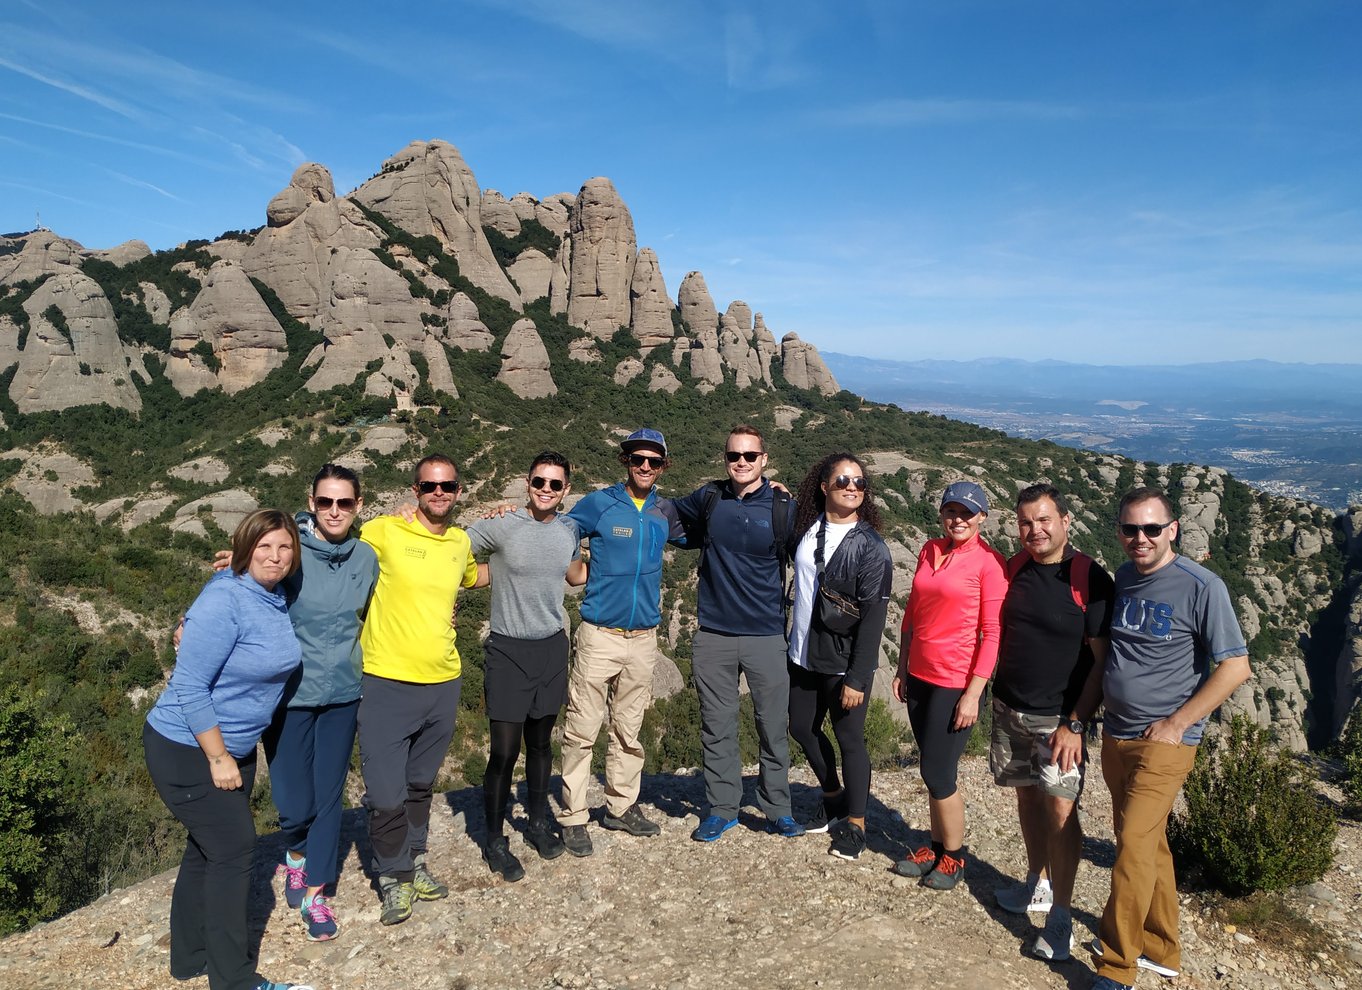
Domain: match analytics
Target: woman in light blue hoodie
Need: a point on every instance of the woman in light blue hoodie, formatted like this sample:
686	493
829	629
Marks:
309	744
237	653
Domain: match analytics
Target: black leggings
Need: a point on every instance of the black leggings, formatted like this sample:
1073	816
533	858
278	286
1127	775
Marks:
505	749
931	709
812	698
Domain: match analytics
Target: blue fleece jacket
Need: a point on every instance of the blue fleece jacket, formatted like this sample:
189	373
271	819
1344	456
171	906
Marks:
236	654
327	598
624	584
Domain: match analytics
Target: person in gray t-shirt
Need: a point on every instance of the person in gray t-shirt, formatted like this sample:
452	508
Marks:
1176	654
525	667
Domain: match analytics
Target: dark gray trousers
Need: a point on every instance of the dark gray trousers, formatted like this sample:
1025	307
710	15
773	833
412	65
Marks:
404	734
716	662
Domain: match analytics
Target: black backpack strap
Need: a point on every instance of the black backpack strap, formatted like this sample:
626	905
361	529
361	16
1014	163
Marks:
780	529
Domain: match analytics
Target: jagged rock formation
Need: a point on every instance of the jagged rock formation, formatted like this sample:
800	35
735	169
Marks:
603	256
650	309
525	363
533	272
803	367
627	370
227	337
43	253
47	477
697	305
427	188
663	380
72	355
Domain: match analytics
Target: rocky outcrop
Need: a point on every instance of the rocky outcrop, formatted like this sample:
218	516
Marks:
209	470
308	230
226	509
662	380
42	253
123	254
803	366
525	363
499	214
156	302
464	330
627	370
227	337
650	308
603	256
72	355
706	364
737	346
584	349
532	271
47	478
427	188
697	305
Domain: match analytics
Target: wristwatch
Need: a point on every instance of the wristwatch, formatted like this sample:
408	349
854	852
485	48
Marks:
1076	726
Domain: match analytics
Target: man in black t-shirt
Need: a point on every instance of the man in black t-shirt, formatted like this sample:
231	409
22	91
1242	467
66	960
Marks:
1055	624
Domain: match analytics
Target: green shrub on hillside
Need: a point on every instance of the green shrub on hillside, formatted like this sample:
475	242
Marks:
1253	821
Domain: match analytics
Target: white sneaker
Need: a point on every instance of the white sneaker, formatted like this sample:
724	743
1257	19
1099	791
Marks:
1022	897
1056	941
1144	962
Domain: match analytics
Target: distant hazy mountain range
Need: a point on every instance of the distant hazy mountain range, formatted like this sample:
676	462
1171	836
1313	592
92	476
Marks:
1294	429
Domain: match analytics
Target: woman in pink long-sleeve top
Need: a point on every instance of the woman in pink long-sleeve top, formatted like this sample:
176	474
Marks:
946	656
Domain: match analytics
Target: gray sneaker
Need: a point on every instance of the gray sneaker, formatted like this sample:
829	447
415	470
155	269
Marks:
427	887
577	840
631	821
1023	897
1056	941
397	899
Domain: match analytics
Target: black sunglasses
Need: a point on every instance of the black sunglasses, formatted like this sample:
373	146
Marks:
324	502
554	484
429	487
1151	530
638	460
750	456
847	481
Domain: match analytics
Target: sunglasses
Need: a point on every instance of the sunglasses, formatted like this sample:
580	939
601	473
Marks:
1151	530
430	487
324	503
750	456
553	484
847	481
638	460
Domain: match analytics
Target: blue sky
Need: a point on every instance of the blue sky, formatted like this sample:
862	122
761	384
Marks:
1089	181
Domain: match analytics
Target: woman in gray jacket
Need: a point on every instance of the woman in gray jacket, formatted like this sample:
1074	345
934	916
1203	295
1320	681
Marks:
843	574
309	744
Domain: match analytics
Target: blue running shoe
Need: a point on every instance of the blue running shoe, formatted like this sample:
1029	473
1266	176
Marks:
712	827
788	827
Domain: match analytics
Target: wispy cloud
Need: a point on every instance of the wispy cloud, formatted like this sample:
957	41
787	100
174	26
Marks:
143	184
75	89
908	112
111	139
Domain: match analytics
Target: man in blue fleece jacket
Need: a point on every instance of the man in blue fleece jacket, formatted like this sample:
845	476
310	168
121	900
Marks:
628	527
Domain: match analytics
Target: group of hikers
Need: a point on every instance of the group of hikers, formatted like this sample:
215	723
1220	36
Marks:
313	634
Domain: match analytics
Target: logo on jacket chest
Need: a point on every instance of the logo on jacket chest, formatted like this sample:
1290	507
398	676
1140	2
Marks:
624	532
418	552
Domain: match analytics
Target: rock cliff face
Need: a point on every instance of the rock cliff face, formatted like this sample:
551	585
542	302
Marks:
525	363
226	337
803	367
603	255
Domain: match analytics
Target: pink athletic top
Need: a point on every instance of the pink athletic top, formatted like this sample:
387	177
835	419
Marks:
953	611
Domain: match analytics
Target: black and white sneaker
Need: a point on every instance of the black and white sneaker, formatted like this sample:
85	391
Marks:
826	816
848	841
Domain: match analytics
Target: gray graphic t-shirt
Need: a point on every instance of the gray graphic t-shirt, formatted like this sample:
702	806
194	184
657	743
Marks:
528	560
1168	629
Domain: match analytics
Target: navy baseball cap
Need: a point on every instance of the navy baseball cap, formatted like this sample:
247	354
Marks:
644	438
968	494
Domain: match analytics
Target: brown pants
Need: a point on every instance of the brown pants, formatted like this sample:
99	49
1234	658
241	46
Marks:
606	661
1141	917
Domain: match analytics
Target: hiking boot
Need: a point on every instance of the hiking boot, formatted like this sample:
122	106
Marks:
712	827
787	827
320	919
1057	939
946	874
499	859
295	882
1143	962
541	836
918	864
577	840
1024	897
423	881
631	821
848	842
397	899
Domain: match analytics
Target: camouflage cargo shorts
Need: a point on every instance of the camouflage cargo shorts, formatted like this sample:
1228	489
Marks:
1020	757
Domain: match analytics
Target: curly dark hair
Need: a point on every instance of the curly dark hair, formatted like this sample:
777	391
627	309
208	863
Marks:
810	501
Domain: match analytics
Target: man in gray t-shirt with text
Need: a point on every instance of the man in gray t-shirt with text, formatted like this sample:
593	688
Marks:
1176	654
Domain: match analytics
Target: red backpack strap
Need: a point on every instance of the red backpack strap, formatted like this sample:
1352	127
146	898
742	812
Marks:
1079	568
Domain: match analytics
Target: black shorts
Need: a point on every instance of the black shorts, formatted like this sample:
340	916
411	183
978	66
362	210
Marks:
524	678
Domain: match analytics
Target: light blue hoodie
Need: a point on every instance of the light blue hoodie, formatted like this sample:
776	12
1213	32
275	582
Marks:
327	599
